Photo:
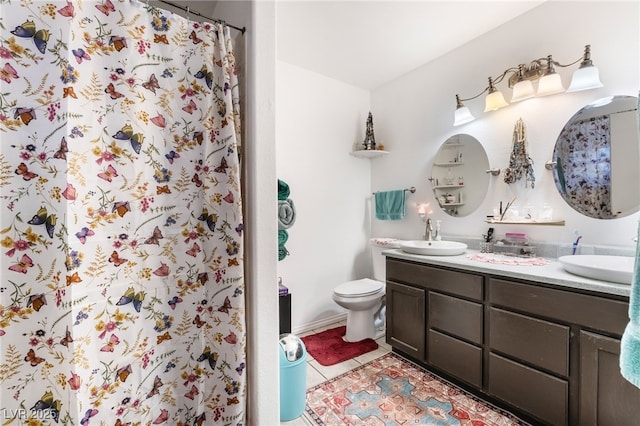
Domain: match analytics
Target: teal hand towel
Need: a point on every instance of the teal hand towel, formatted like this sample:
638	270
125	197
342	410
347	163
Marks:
389	205
630	344
283	190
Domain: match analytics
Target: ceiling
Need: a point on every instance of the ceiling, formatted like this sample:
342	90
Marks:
367	43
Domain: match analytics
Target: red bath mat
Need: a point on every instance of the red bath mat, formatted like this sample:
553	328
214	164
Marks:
328	348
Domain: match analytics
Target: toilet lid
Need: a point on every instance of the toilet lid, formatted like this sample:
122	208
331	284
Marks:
358	288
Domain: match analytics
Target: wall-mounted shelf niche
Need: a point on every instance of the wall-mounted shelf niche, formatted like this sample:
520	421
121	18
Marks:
448	187
527	222
448	164
369	153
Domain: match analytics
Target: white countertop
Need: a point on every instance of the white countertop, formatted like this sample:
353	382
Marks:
551	273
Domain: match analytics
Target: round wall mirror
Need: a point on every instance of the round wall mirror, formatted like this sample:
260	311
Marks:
458	176
596	156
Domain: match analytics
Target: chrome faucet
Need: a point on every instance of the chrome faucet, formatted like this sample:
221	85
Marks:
428	231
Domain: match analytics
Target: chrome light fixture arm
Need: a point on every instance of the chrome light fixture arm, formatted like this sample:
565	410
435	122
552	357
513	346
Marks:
492	81
541	66
541	69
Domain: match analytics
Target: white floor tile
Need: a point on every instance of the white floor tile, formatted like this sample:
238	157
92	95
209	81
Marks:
313	376
331	371
328	327
306	333
370	356
383	344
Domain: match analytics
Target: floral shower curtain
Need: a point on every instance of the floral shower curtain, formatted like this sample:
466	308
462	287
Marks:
121	289
585	148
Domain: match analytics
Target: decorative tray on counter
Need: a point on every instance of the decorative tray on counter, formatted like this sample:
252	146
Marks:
515	250
527	222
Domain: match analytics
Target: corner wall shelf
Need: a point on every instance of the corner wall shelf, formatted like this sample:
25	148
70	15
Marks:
448	164
369	153
527	222
448	187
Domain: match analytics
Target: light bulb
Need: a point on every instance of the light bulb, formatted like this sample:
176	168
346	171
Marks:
550	84
494	101
585	78
522	90
462	116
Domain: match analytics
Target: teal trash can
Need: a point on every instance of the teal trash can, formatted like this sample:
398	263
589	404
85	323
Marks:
293	377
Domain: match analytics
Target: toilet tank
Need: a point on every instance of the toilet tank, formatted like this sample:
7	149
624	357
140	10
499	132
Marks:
378	245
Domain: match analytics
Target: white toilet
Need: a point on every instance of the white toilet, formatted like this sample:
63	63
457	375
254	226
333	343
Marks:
364	298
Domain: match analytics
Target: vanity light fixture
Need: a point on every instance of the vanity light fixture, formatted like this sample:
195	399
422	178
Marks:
463	115
550	83
495	99
523	88
521	79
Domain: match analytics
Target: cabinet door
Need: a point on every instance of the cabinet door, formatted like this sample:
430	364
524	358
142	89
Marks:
406	319
606	398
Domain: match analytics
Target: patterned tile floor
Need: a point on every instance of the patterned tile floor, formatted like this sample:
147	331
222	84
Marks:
317	373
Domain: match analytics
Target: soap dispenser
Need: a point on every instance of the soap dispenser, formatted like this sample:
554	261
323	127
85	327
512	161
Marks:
437	237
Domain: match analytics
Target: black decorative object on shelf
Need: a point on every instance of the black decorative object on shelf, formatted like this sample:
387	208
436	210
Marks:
369	142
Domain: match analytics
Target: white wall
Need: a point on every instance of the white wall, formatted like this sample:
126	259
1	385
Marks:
414	114
317	123
412	117
257	47
319	119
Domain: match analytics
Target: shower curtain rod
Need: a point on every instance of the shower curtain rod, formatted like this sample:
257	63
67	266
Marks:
189	11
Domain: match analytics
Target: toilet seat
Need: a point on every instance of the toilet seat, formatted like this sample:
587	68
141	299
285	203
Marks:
359	288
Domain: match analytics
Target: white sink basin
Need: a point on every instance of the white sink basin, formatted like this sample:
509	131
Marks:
617	269
433	248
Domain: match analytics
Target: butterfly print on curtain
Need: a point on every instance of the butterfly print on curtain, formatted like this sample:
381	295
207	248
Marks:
121	282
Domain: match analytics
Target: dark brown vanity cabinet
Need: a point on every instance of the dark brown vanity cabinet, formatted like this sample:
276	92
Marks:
547	352
528	356
572	354
442	321
454	335
529	365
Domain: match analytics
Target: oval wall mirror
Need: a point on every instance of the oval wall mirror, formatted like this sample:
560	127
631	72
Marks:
596	156
458	176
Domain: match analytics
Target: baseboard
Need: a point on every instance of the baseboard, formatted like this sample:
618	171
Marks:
319	323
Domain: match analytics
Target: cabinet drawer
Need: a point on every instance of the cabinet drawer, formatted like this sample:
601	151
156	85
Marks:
450	282
591	311
456	316
456	357
537	342
537	393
